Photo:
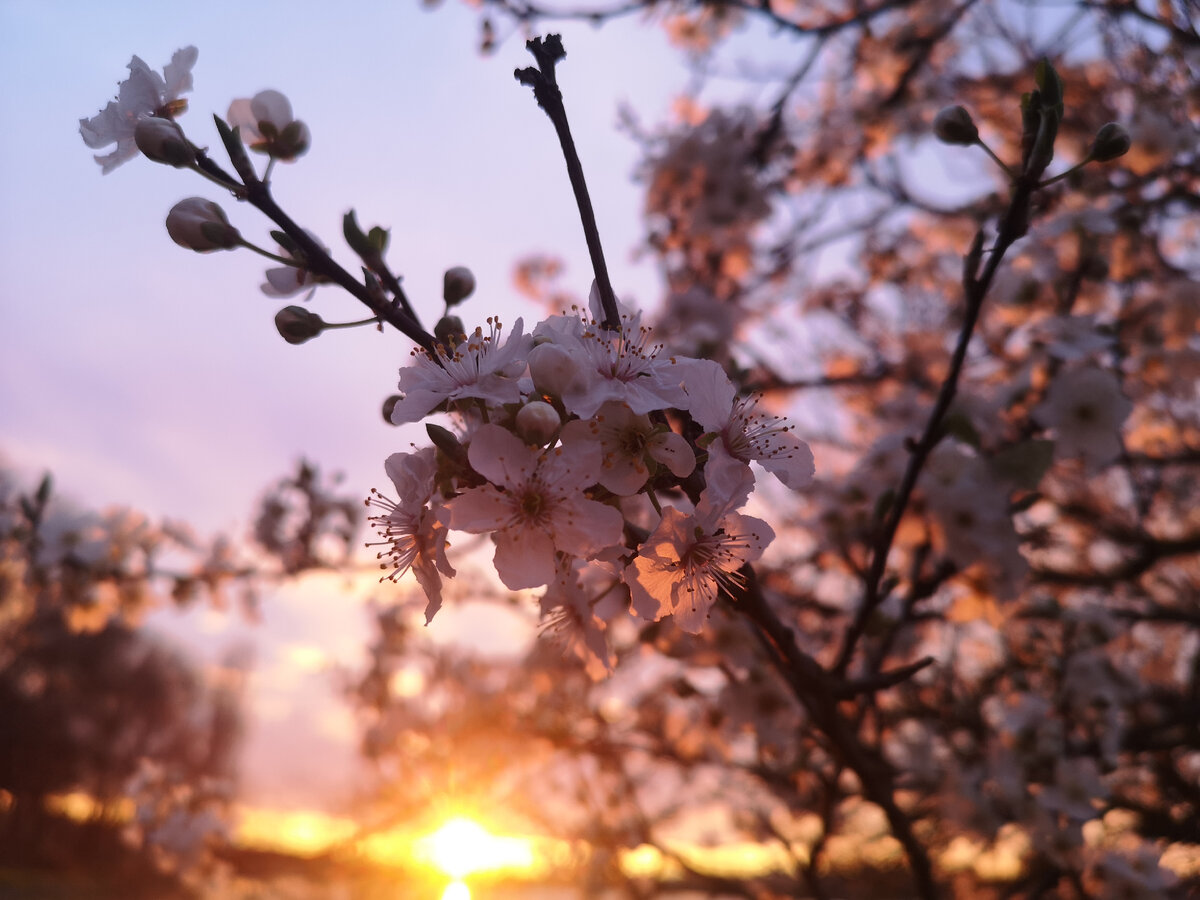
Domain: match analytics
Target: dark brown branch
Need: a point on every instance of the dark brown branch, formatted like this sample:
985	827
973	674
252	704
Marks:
547	52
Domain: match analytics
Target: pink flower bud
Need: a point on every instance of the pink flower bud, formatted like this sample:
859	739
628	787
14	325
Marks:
537	422
162	141
200	225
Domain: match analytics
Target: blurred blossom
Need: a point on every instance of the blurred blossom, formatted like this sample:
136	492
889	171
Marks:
287	281
1086	409
143	93
266	125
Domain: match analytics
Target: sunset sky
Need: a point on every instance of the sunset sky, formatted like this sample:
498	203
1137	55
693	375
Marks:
143	374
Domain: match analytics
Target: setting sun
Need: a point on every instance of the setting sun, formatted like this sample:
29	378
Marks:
461	847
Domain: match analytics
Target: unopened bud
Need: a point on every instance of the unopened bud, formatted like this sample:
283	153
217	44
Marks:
537	422
297	325
162	141
954	125
449	332
388	405
457	285
200	225
1112	140
552	369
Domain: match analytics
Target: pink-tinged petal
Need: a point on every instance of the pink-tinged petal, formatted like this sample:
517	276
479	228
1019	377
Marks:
623	475
284	281
524	558
755	534
584	527
479	510
412	474
271	106
729	483
501	457
791	461
710	393
241	116
692	608
674	452
431	583
649	589
415	406
565	470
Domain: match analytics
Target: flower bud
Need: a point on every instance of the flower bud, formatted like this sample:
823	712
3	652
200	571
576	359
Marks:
200	225
457	285
552	369
449	332
537	422
954	125
297	325
163	141
1112	140
388	405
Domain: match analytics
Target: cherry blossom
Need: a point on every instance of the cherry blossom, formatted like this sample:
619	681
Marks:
625	441
479	367
688	559
577	606
534	506
743	433
144	93
266	124
1086	408
412	533
587	366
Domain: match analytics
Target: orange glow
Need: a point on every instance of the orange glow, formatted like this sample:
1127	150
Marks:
304	833
461	847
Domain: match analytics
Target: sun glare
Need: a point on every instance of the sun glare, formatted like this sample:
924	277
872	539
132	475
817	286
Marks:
456	890
461	847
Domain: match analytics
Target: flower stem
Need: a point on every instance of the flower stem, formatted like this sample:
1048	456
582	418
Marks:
1061	175
997	160
287	261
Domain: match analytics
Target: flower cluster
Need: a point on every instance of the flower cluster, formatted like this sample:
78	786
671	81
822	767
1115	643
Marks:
565	454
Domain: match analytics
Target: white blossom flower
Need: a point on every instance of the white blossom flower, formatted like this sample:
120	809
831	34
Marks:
266	124
412	533
688	559
479	367
744	434
143	93
534	506
587	366
625	441
1086	408
577	606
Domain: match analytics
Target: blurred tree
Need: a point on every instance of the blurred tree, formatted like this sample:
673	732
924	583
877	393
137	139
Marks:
1036	534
